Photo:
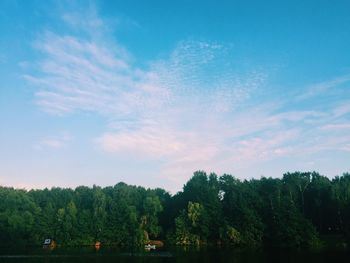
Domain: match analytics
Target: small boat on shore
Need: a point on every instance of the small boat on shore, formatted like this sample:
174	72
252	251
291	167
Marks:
149	247
49	243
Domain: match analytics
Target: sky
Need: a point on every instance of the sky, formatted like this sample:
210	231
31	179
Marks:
147	92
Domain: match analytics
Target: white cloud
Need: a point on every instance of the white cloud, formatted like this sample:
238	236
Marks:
79	75
55	142
337	127
342	109
149	142
323	87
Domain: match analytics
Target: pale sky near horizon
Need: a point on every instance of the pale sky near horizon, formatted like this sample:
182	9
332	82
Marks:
147	92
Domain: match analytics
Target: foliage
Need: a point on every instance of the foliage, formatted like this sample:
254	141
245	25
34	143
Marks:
292	211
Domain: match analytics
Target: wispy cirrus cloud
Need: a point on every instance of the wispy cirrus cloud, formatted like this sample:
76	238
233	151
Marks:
187	110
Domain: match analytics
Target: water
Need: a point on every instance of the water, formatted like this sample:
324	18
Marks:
109	255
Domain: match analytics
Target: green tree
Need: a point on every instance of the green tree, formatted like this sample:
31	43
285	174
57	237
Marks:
98	212
151	208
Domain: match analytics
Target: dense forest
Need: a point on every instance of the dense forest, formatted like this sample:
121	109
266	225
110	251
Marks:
297	210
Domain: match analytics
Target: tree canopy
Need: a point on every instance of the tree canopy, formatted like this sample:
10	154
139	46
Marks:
296	210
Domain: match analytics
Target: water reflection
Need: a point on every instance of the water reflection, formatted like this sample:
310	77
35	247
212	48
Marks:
181	255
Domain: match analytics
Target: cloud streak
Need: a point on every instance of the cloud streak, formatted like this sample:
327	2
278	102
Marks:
323	87
54	142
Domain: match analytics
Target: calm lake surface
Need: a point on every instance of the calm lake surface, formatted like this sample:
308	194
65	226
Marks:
108	255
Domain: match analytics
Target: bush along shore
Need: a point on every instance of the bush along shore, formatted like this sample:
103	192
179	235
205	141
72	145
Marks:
301	209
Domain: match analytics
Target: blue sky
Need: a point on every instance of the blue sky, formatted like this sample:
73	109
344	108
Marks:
147	92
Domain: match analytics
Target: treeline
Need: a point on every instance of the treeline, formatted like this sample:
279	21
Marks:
294	211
